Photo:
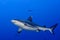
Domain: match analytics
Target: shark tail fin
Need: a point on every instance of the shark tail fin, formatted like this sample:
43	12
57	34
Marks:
52	28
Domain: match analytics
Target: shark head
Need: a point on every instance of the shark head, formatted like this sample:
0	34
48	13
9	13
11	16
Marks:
18	23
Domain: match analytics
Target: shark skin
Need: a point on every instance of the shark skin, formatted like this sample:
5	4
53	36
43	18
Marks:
29	25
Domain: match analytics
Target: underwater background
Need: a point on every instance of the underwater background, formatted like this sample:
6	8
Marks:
43	12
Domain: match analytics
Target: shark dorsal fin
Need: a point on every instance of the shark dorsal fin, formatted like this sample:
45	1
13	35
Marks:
30	18
44	26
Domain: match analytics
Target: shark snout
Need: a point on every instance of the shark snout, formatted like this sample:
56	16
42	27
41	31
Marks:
13	21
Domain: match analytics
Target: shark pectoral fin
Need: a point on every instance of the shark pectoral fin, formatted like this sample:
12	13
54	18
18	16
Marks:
38	30
19	30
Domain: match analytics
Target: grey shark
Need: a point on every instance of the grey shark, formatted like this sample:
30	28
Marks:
30	25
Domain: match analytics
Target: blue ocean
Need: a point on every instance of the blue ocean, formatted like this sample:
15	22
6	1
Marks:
43	12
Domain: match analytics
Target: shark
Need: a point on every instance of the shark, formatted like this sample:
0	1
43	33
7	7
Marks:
30	25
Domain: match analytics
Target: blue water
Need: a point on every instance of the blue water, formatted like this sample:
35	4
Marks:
44	12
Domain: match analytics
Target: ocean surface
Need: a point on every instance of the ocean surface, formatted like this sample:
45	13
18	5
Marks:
43	12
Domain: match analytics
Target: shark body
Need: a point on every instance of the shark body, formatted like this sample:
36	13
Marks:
29	25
